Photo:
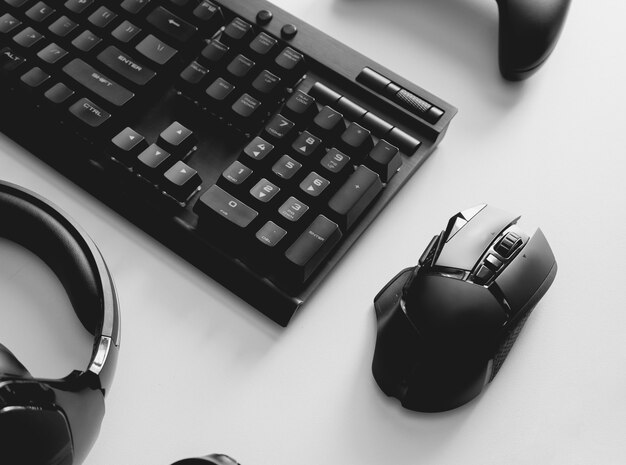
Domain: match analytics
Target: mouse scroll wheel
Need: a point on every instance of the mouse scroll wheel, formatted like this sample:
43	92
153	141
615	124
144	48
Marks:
508	244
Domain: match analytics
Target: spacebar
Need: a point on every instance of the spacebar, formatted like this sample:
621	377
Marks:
97	82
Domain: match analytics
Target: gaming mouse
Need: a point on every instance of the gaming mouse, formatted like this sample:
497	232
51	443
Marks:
446	325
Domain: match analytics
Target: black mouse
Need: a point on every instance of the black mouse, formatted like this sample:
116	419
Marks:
446	325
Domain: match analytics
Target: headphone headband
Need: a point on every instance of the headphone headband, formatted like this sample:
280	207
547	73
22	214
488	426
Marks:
39	226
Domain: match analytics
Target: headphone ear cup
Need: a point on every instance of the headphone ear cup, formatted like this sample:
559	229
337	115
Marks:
9	365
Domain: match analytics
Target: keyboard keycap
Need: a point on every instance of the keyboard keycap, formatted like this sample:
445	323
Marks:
102	17
58	93
156	50
28	37
286	168
181	181
271	234
52	53
309	251
314	185
126	66
10	62
62	26
86	41
355	196
39	12
306	144
245	109
193	74
153	162
264	191
237	173
134	6
8	23
240	67
262	46
217	200
384	159
89	113
78	6
293	209
258	149
219	94
97	82
335	163
34	78
125	32
213	52
300	106
266	84
279	128
210	15
290	65
236	32
328	124
172	25
356	141
177	139
127	145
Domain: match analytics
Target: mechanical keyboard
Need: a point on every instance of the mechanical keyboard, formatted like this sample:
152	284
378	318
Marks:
250	143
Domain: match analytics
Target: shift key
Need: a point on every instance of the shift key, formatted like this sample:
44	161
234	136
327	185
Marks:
97	82
311	248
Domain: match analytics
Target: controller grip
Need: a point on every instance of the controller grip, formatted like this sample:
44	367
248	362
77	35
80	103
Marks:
529	31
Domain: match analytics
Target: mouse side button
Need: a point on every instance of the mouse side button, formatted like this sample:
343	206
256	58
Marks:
527	273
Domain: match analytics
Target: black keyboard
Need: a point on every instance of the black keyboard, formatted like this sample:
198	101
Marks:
250	143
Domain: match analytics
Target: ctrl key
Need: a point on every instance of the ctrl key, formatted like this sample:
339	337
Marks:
308	252
89	113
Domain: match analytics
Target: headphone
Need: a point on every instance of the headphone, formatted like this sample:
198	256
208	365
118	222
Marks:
56	421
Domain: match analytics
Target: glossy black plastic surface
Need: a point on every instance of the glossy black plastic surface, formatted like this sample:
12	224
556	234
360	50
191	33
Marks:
442	327
529	31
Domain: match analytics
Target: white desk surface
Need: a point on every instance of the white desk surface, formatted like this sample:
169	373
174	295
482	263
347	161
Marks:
200	371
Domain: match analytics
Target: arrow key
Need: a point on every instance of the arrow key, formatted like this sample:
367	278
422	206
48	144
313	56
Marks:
257	151
152	163
181	181
177	139
127	145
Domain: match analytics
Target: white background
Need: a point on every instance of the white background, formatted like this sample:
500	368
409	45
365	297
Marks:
200	371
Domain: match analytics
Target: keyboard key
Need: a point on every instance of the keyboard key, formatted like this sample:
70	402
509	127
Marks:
134	6
62	26
102	17
240	67
300	106
210	15
8	23
355	196
384	159
262	46
181	181
193	74
218	93
264	191
156	50
213	52
328	124
236	32
78	6
126	66
314	184
52	53
39	12
125	32
266	84
237	173
279	128
356	141
28	37
10	62
15	3
58	93
293	209
307	144
377	125
309	251
127	145
335	163
290	65
34	78
245	109
97	82
177	139
152	163
172	25
89	113
271	234
217	200
258	149
286	167
86	41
